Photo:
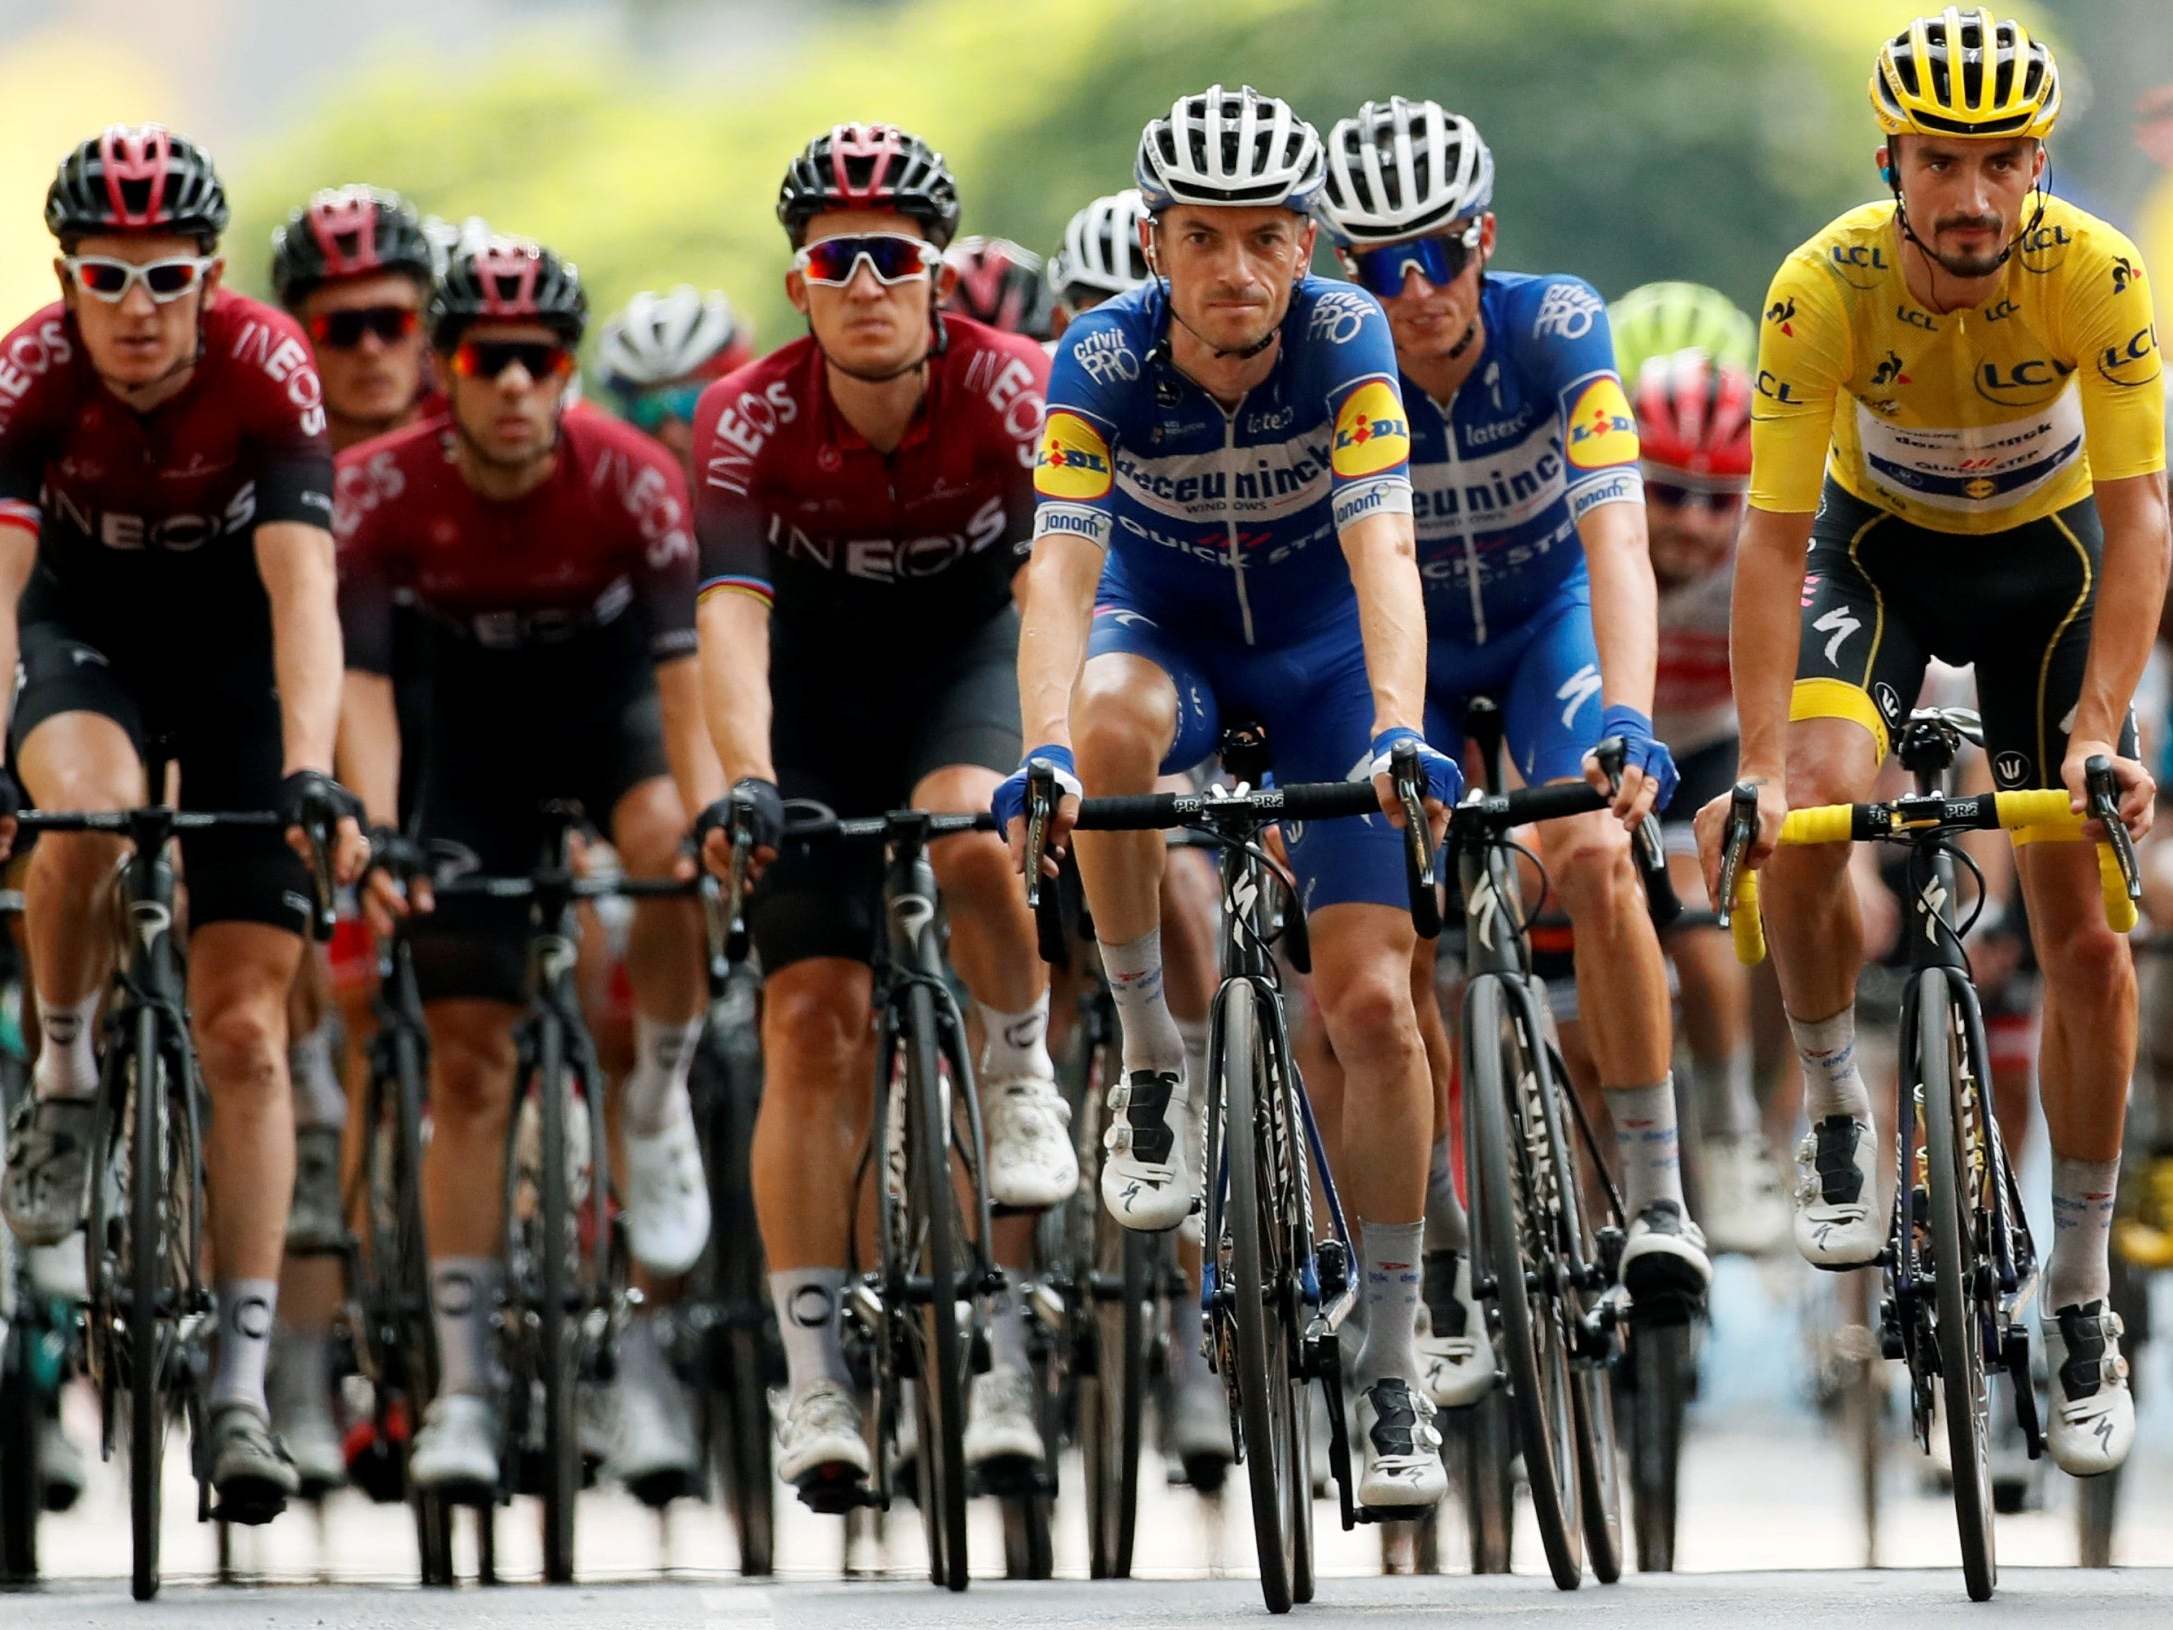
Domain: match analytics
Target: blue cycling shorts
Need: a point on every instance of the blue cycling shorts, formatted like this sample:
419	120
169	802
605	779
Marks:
1544	674
1313	700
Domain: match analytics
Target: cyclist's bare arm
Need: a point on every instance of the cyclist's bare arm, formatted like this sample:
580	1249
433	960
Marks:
735	679
1625	619
369	744
2123	628
686	740
1057	593
295	561
1383	557
18	559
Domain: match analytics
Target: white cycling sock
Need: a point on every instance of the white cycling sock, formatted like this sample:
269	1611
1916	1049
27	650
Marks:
1832	1084
642	1361
1731	1105
1134	972
320	1103
67	1064
2082	1223
248	1313
807	1301
1007	1327
463	1296
1647	1144
1389	1290
1193	1032
657	1084
1447	1228
1015	1044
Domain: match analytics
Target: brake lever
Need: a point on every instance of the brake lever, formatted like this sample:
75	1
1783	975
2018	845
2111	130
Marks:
733	905
2104	807
1044	901
1421	859
1742	831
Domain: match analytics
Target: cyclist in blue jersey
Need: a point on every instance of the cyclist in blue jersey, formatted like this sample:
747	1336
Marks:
1539	590
1225	528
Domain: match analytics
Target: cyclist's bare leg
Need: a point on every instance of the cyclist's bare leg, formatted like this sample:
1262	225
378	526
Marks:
1715	1008
310	1286
472	1058
2087	1055
239	976
1812	922
1123	720
68	762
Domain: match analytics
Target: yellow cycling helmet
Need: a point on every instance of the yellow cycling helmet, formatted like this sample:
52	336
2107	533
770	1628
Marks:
1962	74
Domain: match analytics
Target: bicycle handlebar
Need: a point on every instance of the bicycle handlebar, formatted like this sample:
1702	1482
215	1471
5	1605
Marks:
2041	812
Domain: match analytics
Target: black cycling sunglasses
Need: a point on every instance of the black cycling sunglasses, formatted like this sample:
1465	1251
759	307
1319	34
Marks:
343	330
1670	495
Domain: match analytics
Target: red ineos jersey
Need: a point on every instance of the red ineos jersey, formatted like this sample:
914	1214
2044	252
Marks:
861	551
606	534
146	521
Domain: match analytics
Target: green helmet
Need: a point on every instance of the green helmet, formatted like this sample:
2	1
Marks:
1659	319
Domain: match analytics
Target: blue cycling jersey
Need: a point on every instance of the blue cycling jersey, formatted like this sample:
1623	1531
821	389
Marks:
1224	521
1539	435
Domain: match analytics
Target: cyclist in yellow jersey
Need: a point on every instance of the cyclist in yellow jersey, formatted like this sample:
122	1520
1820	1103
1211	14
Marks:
1958	435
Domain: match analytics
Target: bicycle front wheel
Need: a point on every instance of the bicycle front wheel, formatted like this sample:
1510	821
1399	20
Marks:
1114	1273
151	1304
557	1329
1513	1246
1953	1144
935	1250
1265	1385
1659	1370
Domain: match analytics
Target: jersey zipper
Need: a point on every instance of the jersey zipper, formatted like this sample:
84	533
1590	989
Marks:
1229	474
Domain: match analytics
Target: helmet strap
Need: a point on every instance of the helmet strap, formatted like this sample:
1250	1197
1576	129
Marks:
2041	190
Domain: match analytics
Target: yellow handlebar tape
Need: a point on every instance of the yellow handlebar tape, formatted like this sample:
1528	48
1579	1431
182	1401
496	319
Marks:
2041	806
1745	926
1823	823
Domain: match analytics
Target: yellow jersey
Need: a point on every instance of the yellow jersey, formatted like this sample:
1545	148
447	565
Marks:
1970	421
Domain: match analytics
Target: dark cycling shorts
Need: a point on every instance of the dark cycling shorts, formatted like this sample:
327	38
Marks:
823	901
1705	774
225	736
1882	596
484	779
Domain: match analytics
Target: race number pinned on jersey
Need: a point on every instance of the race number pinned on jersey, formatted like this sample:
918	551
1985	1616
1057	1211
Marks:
1074	460
1600	429
1371	433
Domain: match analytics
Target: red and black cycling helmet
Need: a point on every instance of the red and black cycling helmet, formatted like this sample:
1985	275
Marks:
508	280
870	166
1693	420
350	231
137	178
1002	284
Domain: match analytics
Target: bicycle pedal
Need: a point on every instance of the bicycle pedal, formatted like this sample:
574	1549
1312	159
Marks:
835	1493
1011	1478
1391	1513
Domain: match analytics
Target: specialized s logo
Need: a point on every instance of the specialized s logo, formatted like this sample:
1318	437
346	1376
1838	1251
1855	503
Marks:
1601	430
1371	433
1074	461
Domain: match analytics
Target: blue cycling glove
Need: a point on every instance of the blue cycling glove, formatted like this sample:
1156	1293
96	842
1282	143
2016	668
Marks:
1641	750
1009	804
1444	780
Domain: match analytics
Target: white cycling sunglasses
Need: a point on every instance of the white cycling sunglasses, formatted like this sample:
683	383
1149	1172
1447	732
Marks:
892	257
164	280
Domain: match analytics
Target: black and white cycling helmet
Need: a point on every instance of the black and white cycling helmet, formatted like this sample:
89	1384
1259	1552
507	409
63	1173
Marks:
1223	147
1101	256
661	339
1401	167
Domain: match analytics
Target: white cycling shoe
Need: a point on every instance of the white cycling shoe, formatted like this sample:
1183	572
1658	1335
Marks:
1453	1345
457	1452
1742	1203
1146	1180
1000	1424
667	1197
2093	1412
1402	1450
819	1437
1837	1191
1031	1162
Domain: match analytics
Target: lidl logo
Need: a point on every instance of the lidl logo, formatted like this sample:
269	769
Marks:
1601	431
1371	432
1074	460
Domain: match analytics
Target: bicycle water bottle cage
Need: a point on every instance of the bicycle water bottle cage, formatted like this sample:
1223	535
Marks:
1244	753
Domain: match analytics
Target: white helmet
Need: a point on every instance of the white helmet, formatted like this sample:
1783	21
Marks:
1401	167
1229	147
1101	256
660	338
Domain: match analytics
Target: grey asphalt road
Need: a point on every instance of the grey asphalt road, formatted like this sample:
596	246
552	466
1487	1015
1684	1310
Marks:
1800	1601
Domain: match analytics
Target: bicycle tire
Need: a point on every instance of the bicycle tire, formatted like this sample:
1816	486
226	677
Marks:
1599	1468
1029	1543
739	1401
1258	1344
1496	1159
414	1329
940	1370
1485	1447
556	1332
1960	1332
1290	1178
1115	1274
146	1260
1658	1357
20	1495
